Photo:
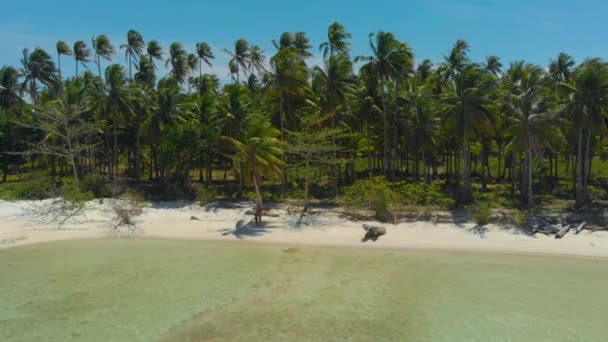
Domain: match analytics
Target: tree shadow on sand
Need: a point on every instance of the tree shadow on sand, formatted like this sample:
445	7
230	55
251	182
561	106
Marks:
244	229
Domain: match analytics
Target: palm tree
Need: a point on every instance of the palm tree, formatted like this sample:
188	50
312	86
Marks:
456	61
256	60
192	68
465	105
560	68
178	60
81	54
334	84
530	123
9	87
586	105
143	103
420	122
389	60
103	49
336	41
37	67
493	65
238	58
258	154
204	53
113	103
145	72
62	49
133	48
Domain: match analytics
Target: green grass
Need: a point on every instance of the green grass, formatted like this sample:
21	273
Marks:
143	290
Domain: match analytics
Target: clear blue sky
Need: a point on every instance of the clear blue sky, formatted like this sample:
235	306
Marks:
533	30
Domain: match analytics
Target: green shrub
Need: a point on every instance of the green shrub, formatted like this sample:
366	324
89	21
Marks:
35	186
482	213
204	196
70	192
97	185
374	194
420	194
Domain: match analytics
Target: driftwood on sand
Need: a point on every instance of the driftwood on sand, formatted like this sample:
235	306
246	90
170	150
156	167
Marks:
563	231
580	227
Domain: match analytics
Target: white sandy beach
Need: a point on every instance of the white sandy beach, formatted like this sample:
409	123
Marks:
20	225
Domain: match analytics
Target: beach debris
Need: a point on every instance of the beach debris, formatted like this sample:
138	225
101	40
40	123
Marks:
563	231
373	231
580	227
194	218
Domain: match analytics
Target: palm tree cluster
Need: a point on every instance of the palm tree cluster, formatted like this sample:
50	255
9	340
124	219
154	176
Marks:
456	119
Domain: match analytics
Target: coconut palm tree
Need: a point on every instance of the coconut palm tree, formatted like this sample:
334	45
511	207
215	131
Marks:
37	67
179	62
465	104
561	67
238	58
337	41
456	61
192	68
586	106
334	84
256	60
258	154
81	54
113	103
102	49
62	49
155	52
204	53
389	59
9	87
493	65
134	48
531	122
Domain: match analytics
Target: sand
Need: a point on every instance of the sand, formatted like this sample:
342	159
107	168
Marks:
21	223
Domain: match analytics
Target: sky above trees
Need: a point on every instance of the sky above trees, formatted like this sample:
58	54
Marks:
533	30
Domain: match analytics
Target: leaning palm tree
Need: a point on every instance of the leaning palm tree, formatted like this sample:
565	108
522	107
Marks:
178	60
37	67
259	151
336	41
203	51
238	58
81	54
388	60
134	48
62	49
465	104
102	49
155	52
493	65
256	60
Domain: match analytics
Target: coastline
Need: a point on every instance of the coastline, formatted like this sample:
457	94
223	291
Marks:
324	227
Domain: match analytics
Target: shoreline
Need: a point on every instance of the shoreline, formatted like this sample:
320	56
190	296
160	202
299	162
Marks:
324	228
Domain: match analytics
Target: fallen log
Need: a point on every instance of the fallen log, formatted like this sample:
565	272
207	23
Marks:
580	227
563	231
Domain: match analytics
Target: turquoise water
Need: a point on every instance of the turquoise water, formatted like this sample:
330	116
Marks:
142	290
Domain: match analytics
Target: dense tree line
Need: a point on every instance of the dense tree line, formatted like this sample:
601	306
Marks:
394	116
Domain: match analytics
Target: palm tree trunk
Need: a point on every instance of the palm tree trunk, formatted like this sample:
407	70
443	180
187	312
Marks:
258	193
467	194
200	76
59	64
137	161
282	123
587	161
76	66
385	147
579	171
333	143
99	65
115	147
130	67
529	176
